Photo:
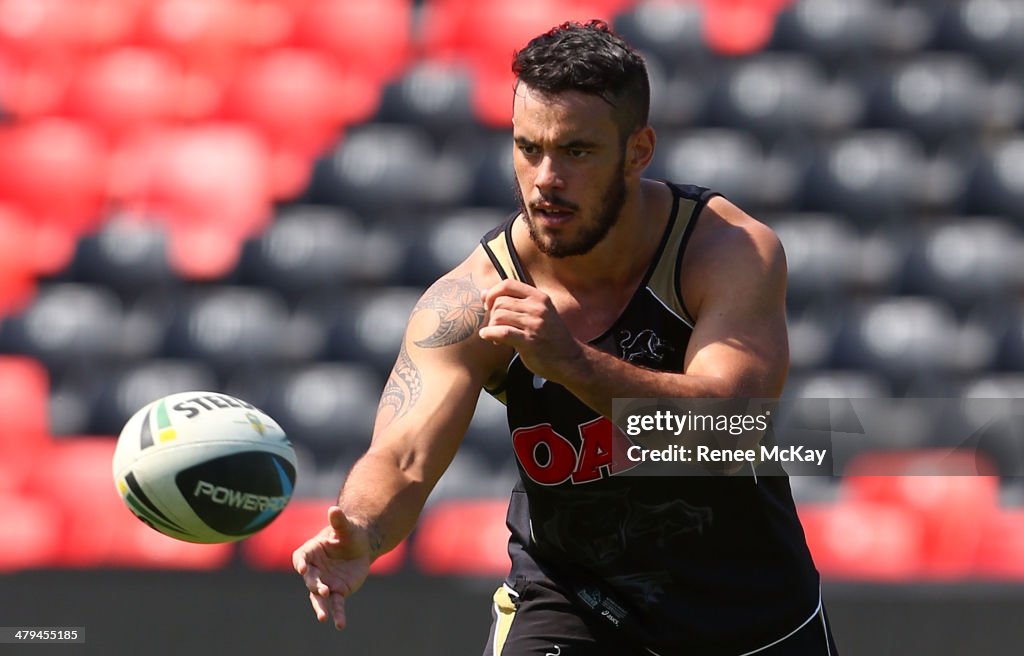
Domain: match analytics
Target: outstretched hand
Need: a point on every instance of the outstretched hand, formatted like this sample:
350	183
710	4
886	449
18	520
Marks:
334	564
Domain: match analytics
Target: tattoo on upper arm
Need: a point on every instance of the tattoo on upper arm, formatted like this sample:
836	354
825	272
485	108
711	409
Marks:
404	385
459	307
460	311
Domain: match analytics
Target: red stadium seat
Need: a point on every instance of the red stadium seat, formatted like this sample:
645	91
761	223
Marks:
125	90
38	28
740	27
24	399
373	38
301	519
486	34
463	537
17	266
136	545
860	540
78	480
211	184
1001	549
945	490
95	528
205	35
30	533
298	99
55	170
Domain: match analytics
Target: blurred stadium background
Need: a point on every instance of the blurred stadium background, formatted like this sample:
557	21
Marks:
249	195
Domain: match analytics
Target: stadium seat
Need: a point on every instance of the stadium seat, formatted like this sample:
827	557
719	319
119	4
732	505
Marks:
463	538
992	30
388	168
863	541
966	260
17	263
447	241
1001	546
434	94
30	535
488	156
271	548
770	94
374	38
204	35
67	322
24	392
78	480
953	494
1006	317
298	99
228	326
667	31
832	30
812	336
367	326
870	175
138	546
934	95
993	415
211	185
54	170
998	170
327	407
306	248
471	476
729	161
126	89
903	336
120	393
39	28
741	27
33	89
679	94
128	255
823	255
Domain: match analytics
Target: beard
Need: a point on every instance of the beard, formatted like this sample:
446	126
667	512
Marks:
592	233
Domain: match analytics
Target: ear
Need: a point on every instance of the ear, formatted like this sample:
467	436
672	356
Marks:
639	150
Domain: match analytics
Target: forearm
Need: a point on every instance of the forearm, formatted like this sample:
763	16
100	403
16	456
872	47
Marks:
382	498
596	378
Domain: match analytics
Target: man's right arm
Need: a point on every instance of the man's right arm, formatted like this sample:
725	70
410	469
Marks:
424	410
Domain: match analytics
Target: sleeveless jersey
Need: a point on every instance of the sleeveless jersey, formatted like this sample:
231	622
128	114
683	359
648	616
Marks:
679	564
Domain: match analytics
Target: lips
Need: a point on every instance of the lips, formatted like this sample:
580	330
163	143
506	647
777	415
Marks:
553	213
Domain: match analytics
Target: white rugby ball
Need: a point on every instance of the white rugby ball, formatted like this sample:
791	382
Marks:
204	467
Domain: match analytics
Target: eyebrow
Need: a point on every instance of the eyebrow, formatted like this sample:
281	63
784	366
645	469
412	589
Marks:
565	145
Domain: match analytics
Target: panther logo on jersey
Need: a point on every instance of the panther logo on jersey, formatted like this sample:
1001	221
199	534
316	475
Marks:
644	347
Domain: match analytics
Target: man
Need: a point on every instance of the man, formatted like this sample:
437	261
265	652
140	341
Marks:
605	285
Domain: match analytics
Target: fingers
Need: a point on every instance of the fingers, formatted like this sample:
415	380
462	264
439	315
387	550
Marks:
337	606
509	288
319	606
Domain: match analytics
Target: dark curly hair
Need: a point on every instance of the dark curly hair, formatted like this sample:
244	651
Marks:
589	58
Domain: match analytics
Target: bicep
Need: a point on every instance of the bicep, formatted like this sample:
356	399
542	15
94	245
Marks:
430	396
740	336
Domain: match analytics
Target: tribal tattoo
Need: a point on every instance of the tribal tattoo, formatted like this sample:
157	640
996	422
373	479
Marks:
460	312
403	387
459	307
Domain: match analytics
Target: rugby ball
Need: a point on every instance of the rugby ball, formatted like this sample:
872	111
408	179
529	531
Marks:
204	467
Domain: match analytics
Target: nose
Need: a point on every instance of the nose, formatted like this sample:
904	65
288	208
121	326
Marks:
547	175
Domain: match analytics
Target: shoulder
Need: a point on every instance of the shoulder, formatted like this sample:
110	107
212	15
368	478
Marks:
448	316
731	252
